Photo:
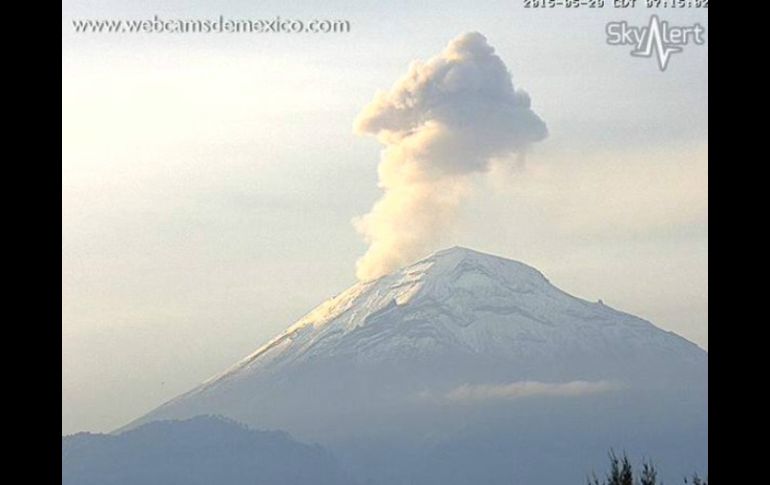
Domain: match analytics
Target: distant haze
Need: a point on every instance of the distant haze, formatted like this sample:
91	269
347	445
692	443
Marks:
209	181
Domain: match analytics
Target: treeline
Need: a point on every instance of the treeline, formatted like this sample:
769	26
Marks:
622	473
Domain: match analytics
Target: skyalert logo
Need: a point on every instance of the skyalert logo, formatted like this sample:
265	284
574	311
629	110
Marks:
659	38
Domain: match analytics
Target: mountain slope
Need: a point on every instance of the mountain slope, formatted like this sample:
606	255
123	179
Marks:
459	342
204	450
463	302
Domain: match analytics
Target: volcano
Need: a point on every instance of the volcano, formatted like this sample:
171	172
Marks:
469	368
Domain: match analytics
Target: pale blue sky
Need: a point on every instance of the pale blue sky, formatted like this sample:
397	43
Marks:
209	180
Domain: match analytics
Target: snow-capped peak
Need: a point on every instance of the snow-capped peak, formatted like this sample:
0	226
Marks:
454	301
435	277
408	352
452	276
456	317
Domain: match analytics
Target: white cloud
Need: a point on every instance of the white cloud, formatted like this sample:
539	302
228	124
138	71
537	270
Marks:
525	389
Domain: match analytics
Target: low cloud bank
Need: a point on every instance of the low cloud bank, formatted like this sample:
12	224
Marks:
525	389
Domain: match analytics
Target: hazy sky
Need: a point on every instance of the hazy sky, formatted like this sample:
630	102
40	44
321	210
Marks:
209	181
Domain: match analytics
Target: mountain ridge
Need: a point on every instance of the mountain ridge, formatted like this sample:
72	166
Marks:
458	304
196	451
451	368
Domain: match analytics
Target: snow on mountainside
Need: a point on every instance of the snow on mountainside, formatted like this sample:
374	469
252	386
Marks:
456	300
458	366
458	317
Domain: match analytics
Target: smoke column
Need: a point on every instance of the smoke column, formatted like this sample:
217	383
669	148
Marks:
442	122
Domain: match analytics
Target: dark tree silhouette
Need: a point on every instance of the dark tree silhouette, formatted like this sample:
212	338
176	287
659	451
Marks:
696	480
649	474
621	473
626	476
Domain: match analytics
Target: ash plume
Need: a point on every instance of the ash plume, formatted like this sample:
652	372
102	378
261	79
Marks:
442	122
